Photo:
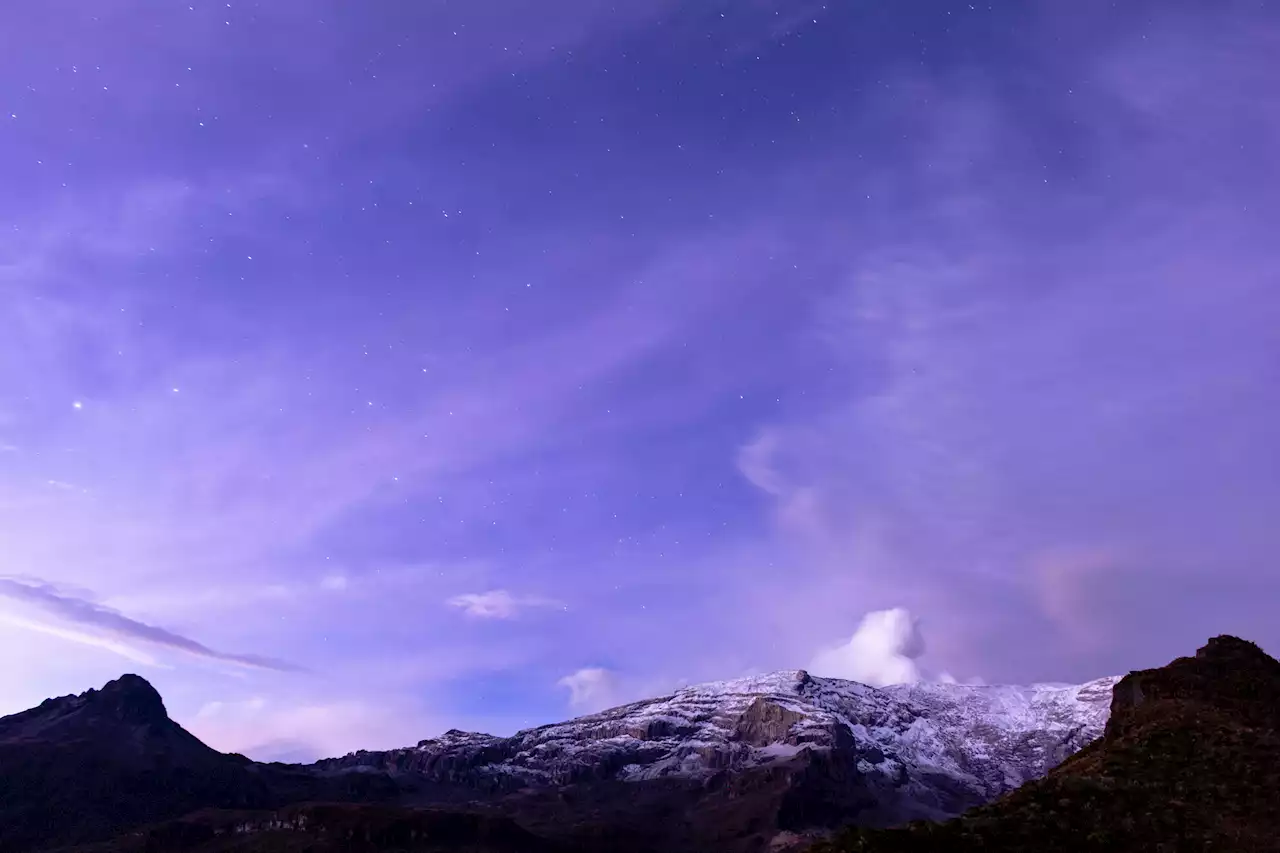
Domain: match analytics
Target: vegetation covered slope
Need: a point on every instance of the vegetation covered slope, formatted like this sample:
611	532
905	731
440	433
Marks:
1190	761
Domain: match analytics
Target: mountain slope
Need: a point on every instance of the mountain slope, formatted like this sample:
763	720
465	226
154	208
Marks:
735	767
739	762
83	767
1190	761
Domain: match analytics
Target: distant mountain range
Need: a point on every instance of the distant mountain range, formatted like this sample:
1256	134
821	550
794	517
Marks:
760	764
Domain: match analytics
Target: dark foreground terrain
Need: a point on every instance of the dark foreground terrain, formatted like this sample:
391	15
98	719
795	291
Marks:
329	828
1190	762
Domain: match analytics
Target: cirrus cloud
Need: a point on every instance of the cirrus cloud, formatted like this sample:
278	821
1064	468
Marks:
497	604
83	621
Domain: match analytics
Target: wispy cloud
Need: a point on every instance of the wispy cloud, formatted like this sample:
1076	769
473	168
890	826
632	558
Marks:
86	622
334	583
83	637
1065	583
1010	324
591	689
1092	369
498	604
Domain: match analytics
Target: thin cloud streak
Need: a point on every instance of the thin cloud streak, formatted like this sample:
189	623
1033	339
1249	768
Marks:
498	604
80	613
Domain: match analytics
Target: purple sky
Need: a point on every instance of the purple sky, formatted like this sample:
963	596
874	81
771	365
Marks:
371	369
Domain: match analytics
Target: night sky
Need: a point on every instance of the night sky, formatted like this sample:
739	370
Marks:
370	368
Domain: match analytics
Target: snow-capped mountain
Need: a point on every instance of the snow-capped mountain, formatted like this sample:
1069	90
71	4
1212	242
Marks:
923	750
757	765
753	765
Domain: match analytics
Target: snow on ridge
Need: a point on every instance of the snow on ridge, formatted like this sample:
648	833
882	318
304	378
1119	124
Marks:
713	707
987	739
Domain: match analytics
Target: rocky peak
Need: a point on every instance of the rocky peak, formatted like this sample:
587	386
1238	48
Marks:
1227	673
119	713
129	699
1225	647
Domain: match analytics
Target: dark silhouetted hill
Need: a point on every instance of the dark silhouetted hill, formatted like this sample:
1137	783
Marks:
1190	761
86	767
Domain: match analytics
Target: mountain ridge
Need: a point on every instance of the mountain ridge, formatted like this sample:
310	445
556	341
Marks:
1177	758
745	761
732	717
807	752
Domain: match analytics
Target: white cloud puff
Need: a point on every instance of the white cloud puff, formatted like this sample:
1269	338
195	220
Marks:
882	651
